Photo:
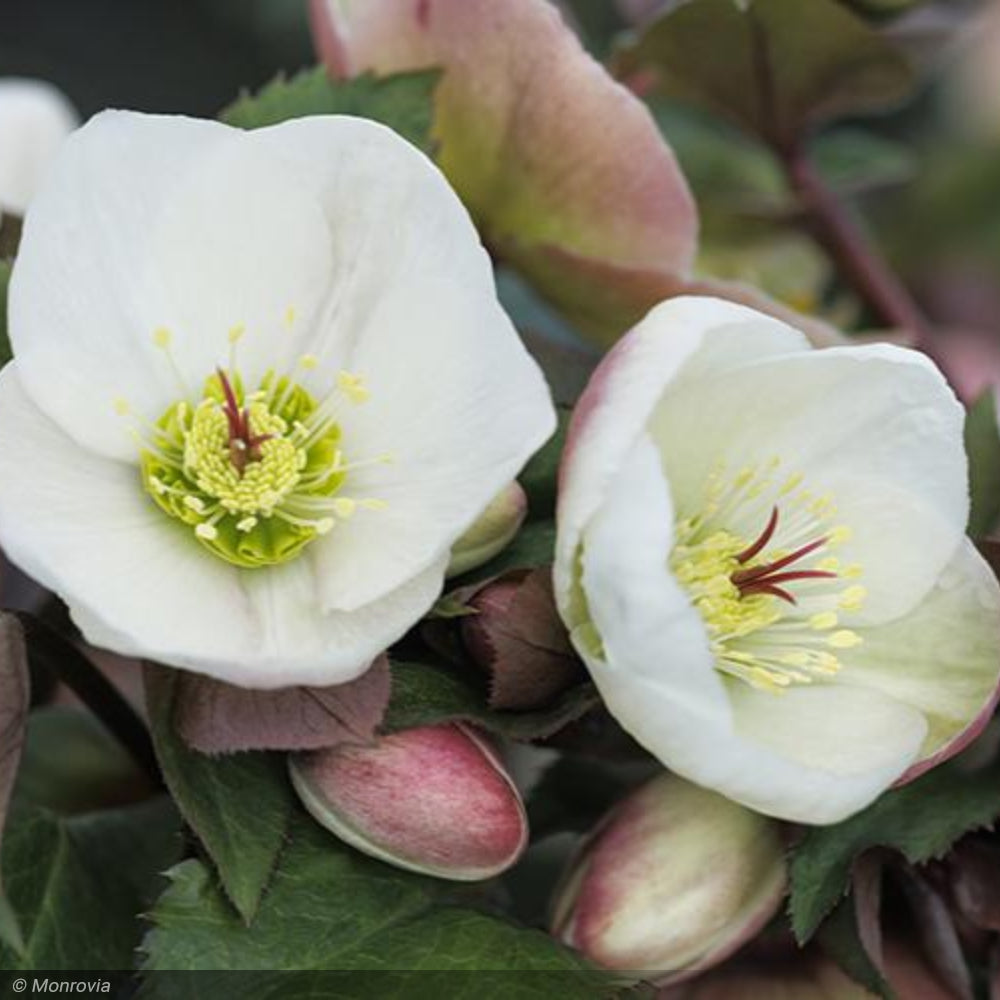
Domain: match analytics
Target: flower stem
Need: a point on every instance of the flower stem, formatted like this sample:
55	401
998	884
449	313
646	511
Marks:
857	259
58	655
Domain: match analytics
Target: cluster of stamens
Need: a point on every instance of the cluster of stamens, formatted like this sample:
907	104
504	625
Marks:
256	474
758	563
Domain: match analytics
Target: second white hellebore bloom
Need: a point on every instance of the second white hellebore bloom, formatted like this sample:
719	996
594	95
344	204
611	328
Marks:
35	119
761	558
261	384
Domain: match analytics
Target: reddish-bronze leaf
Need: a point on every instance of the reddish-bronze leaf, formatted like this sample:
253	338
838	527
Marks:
215	717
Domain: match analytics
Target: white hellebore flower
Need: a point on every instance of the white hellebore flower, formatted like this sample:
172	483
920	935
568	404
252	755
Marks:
35	119
761	557
261	384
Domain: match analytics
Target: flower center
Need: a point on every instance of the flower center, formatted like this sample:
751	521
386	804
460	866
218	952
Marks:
757	563
257	474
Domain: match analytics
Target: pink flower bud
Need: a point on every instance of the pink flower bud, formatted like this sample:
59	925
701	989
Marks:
673	880
491	532
434	800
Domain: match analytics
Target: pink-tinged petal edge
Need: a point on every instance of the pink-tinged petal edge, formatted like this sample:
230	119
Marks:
954	746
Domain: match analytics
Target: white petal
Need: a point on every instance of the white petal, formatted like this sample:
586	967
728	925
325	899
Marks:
943	658
137	582
35	119
646	623
455	399
148	222
812	755
876	428
678	341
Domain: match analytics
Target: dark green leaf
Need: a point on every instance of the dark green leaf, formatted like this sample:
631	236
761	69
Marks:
424	694
773	66
72	764
403	102
921	820
14	702
596	23
853	160
540	475
79	885
533	546
333	909
982	443
574	793
840	939
735	178
6	266
238	804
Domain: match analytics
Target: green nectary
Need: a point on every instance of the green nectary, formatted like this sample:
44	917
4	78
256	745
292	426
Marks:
256	475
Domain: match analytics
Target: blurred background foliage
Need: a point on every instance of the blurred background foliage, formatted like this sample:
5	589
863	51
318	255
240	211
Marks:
923	176
182	56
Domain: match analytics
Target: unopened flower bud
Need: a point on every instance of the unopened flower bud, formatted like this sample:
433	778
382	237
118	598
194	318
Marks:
518	638
673	880
434	800
492	531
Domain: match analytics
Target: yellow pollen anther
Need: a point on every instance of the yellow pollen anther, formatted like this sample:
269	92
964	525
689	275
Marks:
254	470
344	506
824	620
853	597
844	639
759	571
122	407
842	533
352	386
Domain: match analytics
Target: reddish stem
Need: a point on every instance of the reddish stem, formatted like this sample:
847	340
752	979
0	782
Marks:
858	260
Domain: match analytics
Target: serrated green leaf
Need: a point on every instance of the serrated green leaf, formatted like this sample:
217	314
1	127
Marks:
774	67
402	101
840	939
239	804
6	267
424	694
331	908
921	821
79	885
982	443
